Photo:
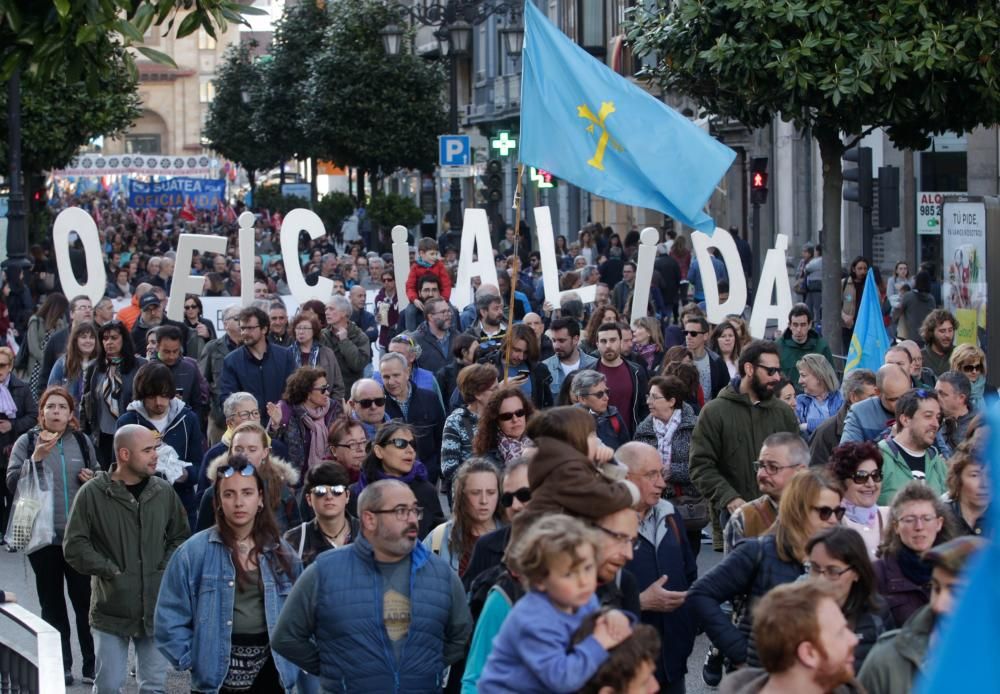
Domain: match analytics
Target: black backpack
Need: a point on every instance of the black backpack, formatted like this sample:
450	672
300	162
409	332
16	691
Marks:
497	576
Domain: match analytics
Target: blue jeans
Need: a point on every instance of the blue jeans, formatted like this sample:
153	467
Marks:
112	664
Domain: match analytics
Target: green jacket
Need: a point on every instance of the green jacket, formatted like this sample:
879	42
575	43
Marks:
792	351
353	354
898	656
896	474
727	439
124	545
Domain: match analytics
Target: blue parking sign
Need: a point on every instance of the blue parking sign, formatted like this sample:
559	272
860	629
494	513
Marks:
455	150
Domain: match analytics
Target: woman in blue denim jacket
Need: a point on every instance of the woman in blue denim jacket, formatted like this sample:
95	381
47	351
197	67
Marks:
223	590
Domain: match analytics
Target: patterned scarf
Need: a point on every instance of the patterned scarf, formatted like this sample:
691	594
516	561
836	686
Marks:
7	405
511	448
315	421
647	352
664	438
862	515
113	386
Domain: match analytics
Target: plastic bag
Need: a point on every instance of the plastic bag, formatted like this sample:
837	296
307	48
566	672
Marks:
31	523
169	463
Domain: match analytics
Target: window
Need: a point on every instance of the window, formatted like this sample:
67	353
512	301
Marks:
591	33
142	144
205	42
206	91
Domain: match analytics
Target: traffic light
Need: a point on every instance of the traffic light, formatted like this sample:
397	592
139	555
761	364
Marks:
494	181
888	198
859	189
758	180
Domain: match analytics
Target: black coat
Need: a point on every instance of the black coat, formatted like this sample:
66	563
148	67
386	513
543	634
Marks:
24	420
719	373
426	416
670	278
541	378
486	553
54	348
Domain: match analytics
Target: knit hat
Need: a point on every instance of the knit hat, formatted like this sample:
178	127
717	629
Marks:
952	556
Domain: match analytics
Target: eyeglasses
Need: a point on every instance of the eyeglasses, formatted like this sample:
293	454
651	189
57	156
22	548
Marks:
402	513
861	477
227	471
912	520
355	445
825	512
248	328
771	468
830	572
403	444
322	389
190	306
523	495
620	538
371	402
600	394
694	333
321	490
969	368
507	416
388	279
246	416
771	370
653	475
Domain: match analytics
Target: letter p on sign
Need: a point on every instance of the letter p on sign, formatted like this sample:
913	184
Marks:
454	150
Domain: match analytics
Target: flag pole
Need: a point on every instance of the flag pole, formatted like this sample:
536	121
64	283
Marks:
513	277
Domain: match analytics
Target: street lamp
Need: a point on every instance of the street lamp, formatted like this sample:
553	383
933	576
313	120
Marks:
455	20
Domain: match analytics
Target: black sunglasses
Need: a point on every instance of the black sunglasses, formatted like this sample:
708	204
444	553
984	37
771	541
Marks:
523	495
227	471
860	477
403	444
322	389
825	512
369	402
507	416
321	490
694	333
771	370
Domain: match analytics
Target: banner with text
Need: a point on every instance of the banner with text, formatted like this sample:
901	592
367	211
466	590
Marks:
203	193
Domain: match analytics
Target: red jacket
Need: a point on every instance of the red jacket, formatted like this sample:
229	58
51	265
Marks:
438	269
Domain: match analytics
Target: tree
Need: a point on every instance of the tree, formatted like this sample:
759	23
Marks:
230	115
831	66
366	109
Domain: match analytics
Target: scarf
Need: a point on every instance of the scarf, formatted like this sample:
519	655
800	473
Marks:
422	263
113	386
916	570
664	438
315	421
862	515
417	472
313	355
511	448
647	352
7	406
977	401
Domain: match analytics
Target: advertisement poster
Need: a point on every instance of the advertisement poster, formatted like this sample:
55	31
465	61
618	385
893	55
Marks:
963	247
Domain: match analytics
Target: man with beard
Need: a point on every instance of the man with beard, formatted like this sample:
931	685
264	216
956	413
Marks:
151	316
626	381
356	643
731	430
938	333
435	335
568	356
782	455
490	328
804	643
910	454
899	656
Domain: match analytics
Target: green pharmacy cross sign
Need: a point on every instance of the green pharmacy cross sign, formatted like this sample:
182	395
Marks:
503	143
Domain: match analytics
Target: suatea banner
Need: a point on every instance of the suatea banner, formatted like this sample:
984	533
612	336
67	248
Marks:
201	193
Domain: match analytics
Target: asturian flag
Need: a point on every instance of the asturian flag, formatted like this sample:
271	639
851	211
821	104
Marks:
870	341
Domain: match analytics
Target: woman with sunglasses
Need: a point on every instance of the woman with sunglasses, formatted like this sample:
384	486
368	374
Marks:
858	467
393	455
810	503
476	383
200	329
224	588
501	434
971	361
309	352
476	511
307	410
347	445
281	477
326	493
838	557
918	520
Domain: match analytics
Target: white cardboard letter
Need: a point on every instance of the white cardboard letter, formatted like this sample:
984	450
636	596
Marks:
401	263
716	313
295	221
75	219
184	282
245	241
475	240
550	266
644	273
772	274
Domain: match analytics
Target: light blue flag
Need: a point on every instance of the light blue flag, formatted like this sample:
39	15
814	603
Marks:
965	658
592	127
870	341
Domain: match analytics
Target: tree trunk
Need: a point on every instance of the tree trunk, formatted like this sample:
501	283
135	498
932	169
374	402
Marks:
281	174
252	178
831	150
313	172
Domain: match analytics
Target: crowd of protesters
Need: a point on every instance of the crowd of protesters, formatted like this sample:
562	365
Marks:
488	497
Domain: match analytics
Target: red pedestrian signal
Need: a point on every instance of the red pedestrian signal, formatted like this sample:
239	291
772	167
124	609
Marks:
759	181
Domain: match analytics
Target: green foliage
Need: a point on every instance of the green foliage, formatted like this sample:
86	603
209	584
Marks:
229	121
388	209
366	109
333	209
58	115
48	38
269	197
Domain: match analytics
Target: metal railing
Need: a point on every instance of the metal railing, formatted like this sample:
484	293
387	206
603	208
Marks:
30	653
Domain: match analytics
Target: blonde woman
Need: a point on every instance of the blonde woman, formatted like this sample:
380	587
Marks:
971	361
820	398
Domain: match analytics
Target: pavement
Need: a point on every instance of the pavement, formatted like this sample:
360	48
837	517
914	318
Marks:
16	576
